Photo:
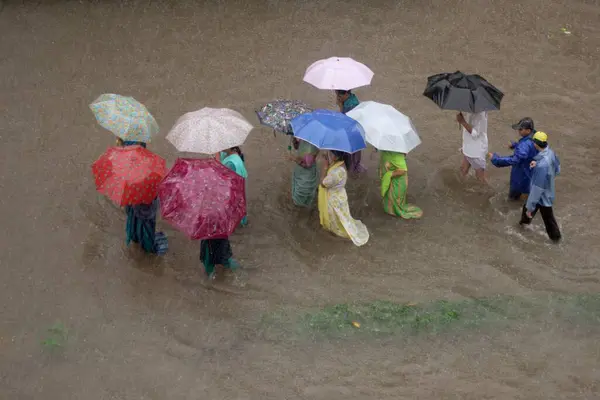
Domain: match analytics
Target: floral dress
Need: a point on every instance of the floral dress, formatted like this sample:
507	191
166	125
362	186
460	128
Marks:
334	211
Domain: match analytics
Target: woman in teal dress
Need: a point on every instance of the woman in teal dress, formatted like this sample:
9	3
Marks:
233	159
216	254
305	180
141	220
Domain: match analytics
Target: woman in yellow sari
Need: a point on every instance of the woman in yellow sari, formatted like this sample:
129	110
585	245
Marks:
394	184
333	201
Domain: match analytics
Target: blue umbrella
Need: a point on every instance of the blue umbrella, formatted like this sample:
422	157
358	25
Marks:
330	130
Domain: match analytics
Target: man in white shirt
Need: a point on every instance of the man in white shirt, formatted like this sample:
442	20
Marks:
475	143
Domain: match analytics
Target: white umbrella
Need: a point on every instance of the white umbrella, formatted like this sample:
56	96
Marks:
209	130
385	127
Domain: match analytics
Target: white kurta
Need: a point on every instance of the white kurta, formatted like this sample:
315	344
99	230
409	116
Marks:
475	144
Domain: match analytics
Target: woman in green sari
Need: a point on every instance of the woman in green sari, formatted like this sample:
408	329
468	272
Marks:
394	184
305	177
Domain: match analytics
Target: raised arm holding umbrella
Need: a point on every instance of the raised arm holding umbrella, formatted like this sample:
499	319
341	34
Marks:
473	97
475	143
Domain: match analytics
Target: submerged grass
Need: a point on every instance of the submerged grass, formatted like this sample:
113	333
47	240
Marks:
56	337
389	318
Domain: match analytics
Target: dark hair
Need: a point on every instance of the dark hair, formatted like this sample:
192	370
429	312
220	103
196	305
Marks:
342	156
239	152
295	143
343	92
543	145
524	123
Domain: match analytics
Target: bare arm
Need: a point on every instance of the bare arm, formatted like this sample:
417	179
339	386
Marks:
460	118
468	127
478	125
339	103
395	173
324	168
295	159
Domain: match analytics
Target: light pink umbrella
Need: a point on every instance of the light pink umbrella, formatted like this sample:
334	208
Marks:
338	73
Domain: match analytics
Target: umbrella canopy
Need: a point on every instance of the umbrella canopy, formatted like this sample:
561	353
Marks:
330	130
338	73
124	116
202	198
278	114
460	92
385	127
209	131
129	175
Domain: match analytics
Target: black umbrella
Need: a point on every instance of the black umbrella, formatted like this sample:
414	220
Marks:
460	92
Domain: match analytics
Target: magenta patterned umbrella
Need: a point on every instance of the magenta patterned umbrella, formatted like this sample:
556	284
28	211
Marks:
202	198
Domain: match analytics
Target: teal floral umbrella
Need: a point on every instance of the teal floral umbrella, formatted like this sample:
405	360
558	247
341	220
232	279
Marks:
124	116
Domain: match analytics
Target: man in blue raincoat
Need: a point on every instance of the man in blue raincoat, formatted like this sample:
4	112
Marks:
524	151
545	167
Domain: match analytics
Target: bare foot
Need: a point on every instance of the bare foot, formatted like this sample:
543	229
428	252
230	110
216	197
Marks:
217	274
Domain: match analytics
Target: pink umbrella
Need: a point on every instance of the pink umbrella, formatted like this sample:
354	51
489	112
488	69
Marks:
338	73
202	198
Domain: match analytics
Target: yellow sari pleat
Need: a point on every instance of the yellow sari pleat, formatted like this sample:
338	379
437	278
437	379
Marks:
323	201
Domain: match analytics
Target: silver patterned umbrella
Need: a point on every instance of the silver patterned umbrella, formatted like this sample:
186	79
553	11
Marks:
278	114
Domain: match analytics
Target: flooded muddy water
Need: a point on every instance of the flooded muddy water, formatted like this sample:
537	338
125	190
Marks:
137	327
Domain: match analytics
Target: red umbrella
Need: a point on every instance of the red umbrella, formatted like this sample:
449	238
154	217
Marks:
202	198
129	175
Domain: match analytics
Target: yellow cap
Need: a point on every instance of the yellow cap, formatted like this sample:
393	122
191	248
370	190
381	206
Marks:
540	136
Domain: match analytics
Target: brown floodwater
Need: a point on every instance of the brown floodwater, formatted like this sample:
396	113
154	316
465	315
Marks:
147	328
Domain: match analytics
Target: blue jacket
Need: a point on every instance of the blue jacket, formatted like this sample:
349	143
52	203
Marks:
542	180
520	174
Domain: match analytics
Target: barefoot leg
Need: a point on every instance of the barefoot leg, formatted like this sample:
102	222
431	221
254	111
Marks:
465	166
480	174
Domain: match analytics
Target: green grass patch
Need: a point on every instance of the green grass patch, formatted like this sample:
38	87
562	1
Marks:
388	318
56	337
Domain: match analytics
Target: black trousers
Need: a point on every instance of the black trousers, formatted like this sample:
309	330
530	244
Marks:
549	221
